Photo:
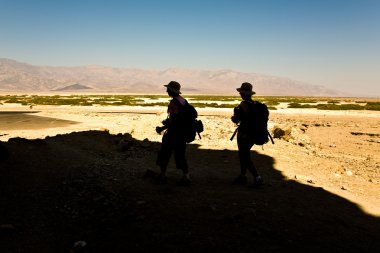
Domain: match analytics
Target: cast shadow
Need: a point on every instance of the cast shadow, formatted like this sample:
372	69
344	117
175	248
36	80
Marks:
88	187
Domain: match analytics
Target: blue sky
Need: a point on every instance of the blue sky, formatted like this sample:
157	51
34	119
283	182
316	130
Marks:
335	43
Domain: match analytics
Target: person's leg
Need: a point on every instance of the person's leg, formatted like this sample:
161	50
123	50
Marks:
180	156
246	163
181	162
246	145
165	153
242	152
250	165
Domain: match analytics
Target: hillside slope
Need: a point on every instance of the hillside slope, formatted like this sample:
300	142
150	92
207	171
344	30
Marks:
16	76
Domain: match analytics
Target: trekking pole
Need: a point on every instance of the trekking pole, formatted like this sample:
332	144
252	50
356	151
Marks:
271	139
233	135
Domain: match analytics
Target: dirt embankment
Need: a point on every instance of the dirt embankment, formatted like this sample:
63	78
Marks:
84	191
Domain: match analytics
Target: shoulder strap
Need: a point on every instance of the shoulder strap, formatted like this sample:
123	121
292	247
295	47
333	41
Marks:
176	101
248	104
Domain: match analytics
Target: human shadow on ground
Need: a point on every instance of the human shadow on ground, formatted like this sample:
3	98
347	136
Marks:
84	192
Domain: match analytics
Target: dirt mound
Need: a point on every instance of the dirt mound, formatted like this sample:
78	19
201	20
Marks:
84	191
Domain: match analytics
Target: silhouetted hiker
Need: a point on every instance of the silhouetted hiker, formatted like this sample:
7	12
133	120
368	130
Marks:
173	138
244	137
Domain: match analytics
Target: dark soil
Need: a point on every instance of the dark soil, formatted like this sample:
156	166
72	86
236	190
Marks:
84	192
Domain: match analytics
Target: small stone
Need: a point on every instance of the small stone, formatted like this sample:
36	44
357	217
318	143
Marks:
80	244
213	208
278	133
145	143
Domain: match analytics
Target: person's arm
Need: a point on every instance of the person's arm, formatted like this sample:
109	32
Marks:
172	114
236	118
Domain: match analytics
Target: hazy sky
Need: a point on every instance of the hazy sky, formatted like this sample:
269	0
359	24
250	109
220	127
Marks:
335	43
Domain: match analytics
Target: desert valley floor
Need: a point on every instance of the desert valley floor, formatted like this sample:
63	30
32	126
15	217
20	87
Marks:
73	181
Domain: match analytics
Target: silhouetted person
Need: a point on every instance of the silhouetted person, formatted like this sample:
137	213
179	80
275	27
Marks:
173	138
244	137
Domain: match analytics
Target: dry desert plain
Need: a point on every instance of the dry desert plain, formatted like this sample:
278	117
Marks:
74	181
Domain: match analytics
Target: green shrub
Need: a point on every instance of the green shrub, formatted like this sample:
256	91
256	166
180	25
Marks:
373	106
298	105
213	98
340	107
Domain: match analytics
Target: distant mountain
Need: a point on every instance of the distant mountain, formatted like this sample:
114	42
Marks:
72	87
22	77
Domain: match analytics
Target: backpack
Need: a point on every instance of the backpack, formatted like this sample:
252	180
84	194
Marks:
188	124
257	122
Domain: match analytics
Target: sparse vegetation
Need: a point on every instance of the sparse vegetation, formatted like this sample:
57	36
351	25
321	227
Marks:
200	101
298	105
375	106
340	107
214	98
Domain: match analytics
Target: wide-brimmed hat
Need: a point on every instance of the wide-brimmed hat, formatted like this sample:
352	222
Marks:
246	89
174	87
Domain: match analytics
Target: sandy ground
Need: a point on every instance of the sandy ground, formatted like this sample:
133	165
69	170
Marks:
331	151
322	149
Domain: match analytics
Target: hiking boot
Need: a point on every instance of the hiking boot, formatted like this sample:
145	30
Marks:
241	180
184	181
257	182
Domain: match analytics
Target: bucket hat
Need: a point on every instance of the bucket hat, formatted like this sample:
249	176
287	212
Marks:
246	89
174	87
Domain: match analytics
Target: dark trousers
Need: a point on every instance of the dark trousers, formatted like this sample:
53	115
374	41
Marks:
244	145
172	141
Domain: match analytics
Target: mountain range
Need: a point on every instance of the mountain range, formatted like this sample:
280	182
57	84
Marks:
22	77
